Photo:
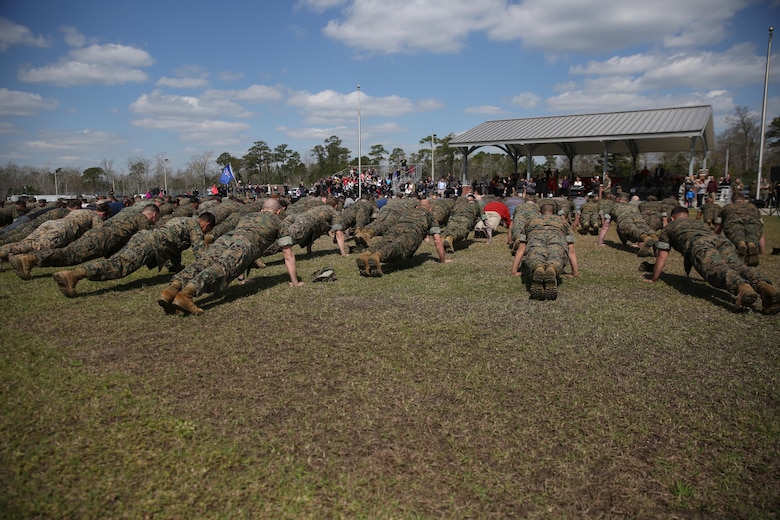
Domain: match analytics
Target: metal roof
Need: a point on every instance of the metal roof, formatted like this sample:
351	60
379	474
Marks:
630	132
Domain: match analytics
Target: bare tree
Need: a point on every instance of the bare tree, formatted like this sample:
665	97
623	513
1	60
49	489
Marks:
741	138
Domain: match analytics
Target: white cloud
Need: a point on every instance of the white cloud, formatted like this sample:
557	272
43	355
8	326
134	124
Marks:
72	36
12	33
252	94
72	141
483	109
328	106
72	73
526	100
182	82
16	103
211	132
562	26
109	64
8	129
159	104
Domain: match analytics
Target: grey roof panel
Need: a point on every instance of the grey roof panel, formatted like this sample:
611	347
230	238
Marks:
656	130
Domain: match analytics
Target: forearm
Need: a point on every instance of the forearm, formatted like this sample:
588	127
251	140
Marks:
518	259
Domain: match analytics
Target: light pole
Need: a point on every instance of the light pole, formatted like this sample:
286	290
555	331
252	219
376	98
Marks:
433	138
165	176
360	166
763	114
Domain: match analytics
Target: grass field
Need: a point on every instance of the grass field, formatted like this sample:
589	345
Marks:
436	391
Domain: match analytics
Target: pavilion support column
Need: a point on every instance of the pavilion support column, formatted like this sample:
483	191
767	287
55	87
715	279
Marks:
691	156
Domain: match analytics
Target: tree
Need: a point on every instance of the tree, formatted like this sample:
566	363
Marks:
377	154
742	138
257	162
331	158
92	177
138	173
397	156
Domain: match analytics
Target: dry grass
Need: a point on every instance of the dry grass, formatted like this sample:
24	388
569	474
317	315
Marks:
435	391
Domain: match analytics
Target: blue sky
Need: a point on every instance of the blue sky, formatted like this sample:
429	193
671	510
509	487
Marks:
85	81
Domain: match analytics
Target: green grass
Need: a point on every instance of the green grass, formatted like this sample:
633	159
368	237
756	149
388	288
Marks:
434	391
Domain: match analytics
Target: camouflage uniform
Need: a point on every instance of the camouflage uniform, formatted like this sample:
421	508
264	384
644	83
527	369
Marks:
741	222
522	214
631	227
220	211
463	217
547	238
152	248
357	216
56	233
589	217
232	253
306	227
231	221
303	204
404	238
388	215
103	241
653	211
185	208
713	256
709	212
441	209
25	229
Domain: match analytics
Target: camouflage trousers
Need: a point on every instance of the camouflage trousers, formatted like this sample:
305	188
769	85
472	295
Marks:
88	247
716	259
546	251
384	222
590	221
40	240
399	242
632	228
458	227
227	258
140	251
743	229
357	216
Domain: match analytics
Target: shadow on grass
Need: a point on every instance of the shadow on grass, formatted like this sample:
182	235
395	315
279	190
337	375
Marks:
621	246
235	292
159	278
702	290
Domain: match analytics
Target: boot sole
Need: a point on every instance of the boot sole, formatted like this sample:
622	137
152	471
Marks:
65	288
375	267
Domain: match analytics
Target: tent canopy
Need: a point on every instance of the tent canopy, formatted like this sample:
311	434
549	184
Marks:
683	129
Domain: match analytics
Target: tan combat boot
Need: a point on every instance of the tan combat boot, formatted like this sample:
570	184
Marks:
752	254
23	265
742	250
183	301
165	300
362	263
550	283
208	240
746	296
363	236
67	280
770	298
448	244
375	265
538	277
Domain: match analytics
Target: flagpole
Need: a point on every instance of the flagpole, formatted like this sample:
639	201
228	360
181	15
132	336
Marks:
763	114
360	166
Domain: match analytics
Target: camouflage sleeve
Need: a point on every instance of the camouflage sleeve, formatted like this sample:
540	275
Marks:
196	239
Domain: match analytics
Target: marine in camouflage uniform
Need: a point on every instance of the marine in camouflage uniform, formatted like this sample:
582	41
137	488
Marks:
587	217
716	259
231	220
356	216
25	229
402	240
103	241
386	218
463	218
741	222
522	214
546	248
56	233
150	247
228	257
709	212
441	208
653	211
304	228
631	227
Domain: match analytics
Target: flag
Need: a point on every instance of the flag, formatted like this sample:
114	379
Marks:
227	175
